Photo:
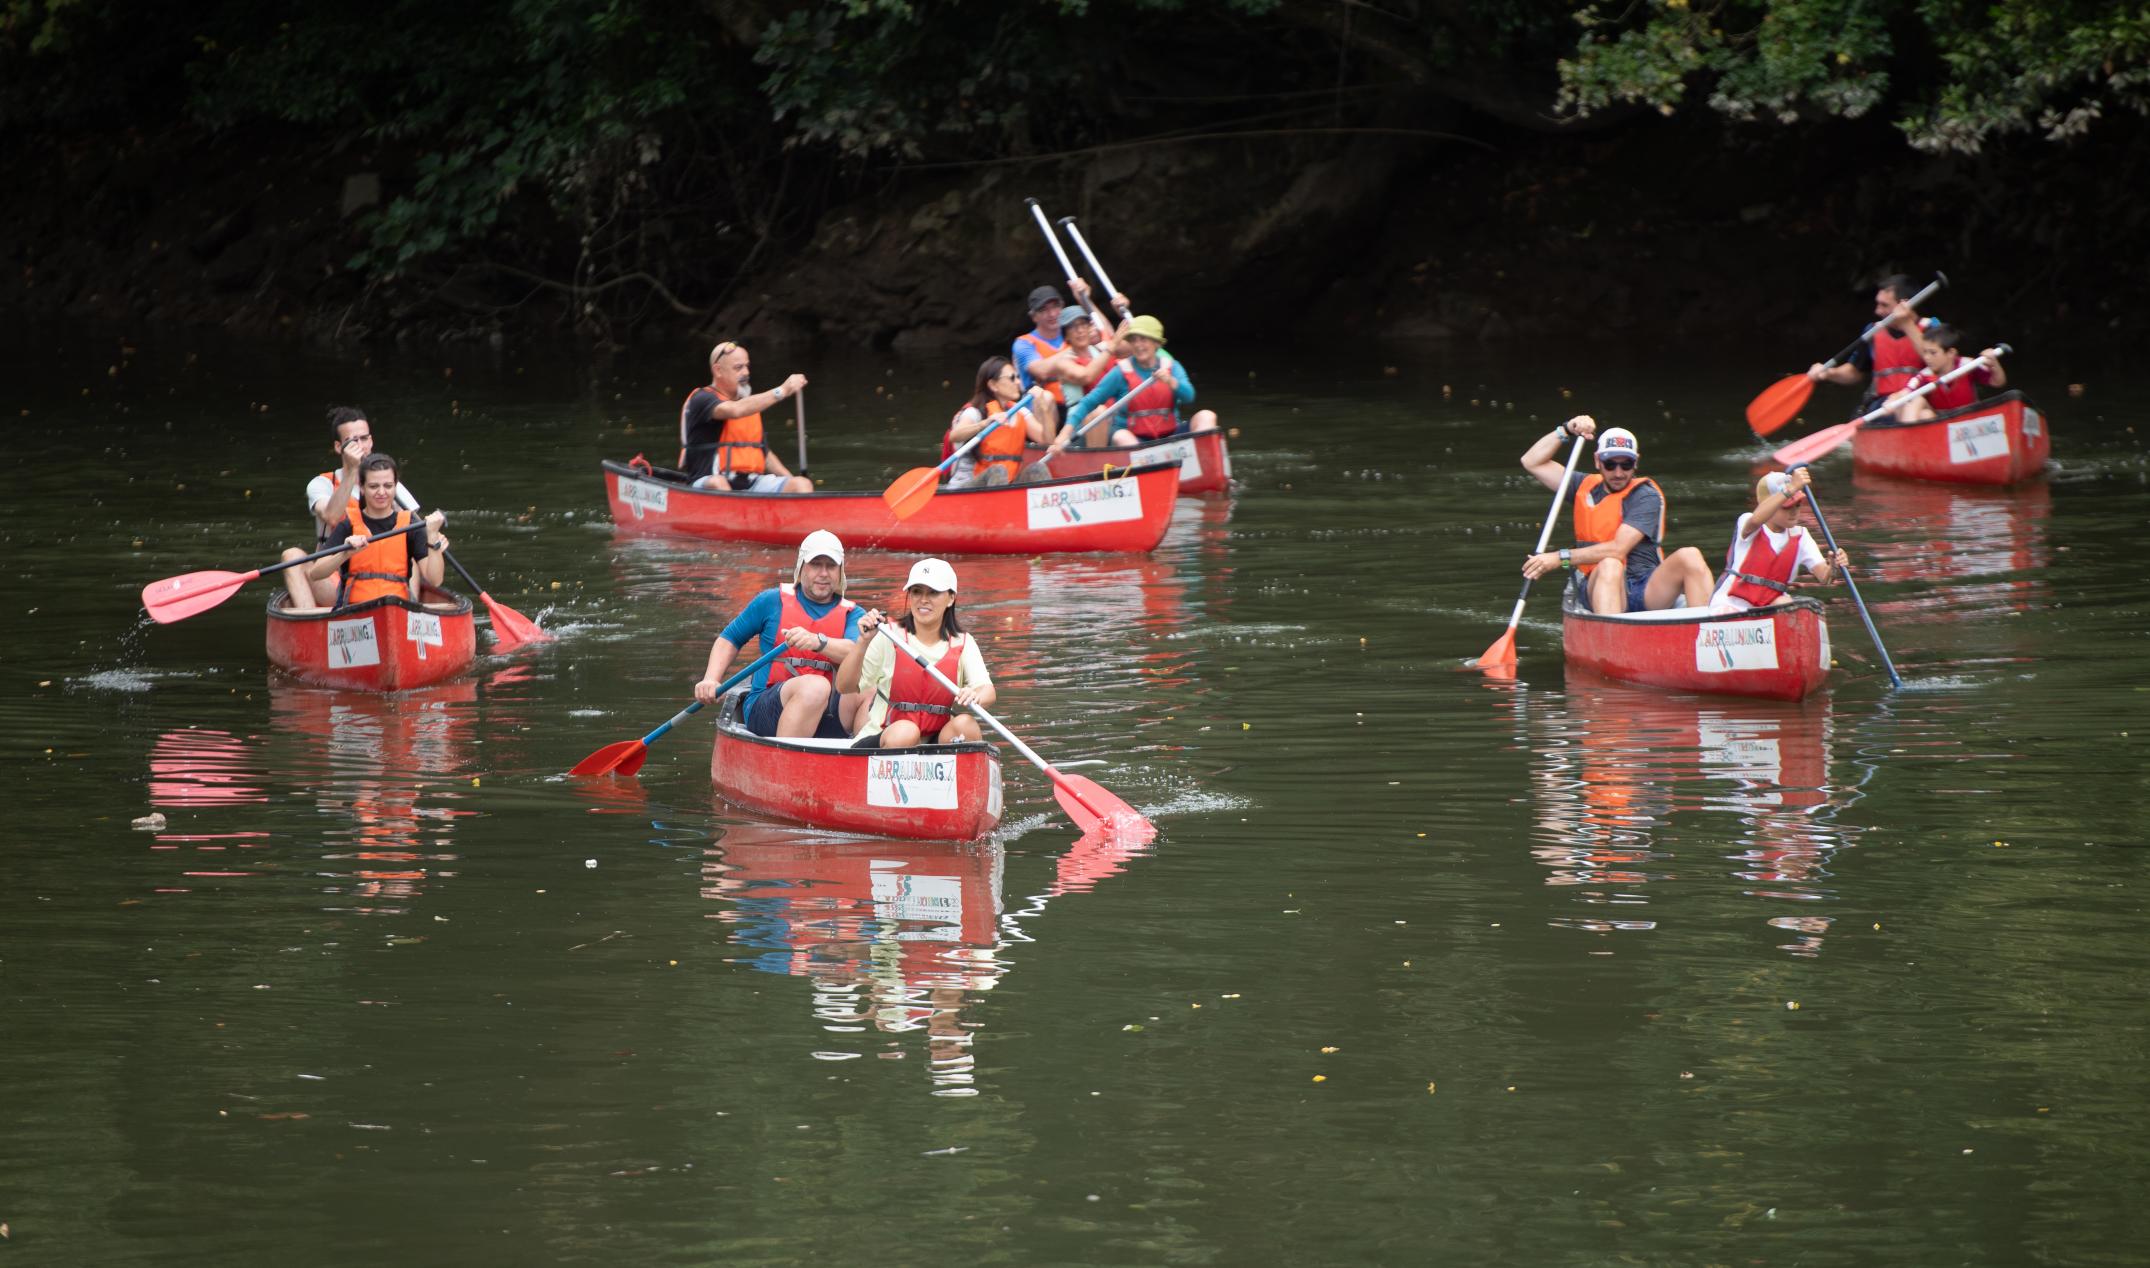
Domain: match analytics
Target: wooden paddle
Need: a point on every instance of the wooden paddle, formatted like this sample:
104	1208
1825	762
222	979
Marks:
1502	654
511	629
908	493
1853	586
1781	401
1075	235
1089	805
1807	448
626	756
192	593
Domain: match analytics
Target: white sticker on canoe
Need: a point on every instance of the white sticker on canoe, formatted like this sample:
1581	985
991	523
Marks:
992	792
911	783
422	628
1977	439
2033	423
351	645
916	900
1098	502
1183	450
643	495
1722	647
1824	627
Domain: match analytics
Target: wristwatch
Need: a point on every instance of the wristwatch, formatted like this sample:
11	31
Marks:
824	646
1567	558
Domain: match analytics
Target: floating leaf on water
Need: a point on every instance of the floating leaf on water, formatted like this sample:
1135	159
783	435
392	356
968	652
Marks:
1331	1048
1321	1078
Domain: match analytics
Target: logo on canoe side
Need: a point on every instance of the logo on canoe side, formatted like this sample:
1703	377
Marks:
1101	502
1724	646
1190	461
643	496
911	783
2033	423
1977	439
422	628
351	645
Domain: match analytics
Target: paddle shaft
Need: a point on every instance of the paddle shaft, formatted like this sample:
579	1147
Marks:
1575	452
799	404
918	657
1867	335
1090	257
411	527
1125	397
722	687
463	572
1853	586
1037	213
999	420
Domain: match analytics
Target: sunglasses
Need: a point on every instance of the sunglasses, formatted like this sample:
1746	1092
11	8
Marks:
1617	464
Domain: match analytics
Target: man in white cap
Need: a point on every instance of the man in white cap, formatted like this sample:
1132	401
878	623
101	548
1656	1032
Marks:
795	697
1619	521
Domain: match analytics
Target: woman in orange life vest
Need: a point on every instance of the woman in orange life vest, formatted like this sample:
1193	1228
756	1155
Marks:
904	705
796	697
721	442
1938	348
1155	411
329	498
1619	520
998	457
394	568
1891	356
1769	548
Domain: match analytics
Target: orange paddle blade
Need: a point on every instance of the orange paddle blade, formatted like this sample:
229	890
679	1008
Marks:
623	758
177	598
511	629
1808	448
908	494
1092	807
1502	653
1779	403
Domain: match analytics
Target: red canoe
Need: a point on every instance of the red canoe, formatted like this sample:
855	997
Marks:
387	645
1998	441
1776	653
935	792
1122	511
1205	461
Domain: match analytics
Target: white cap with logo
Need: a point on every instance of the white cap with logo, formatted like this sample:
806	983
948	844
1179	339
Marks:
820	544
933	574
1618	440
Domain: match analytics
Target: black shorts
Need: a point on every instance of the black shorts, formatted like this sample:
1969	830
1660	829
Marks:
767	707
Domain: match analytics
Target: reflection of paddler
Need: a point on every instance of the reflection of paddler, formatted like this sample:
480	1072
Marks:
905	705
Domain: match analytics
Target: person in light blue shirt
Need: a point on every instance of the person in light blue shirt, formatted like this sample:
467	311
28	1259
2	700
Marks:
795	696
1157	410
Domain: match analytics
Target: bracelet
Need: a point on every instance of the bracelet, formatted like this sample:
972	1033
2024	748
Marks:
779	390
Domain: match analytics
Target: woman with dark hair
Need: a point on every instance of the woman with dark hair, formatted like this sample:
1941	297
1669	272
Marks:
398	566
997	457
905	705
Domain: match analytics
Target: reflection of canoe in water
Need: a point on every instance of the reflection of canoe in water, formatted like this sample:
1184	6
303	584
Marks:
1122	511
1999	441
389	644
1777	653
935	792
1205	461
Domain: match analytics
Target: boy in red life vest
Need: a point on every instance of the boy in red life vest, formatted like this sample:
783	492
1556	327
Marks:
1155	413
721	440
1891	356
1940	355
795	697
1769	547
396	567
329	499
1620	524
904	705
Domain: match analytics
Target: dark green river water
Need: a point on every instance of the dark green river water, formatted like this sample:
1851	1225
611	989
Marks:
1421	967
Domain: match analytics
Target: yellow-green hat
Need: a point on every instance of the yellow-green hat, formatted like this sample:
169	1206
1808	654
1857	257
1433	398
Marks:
1147	325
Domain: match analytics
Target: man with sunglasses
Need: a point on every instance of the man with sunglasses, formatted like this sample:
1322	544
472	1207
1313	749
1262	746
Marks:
1619	521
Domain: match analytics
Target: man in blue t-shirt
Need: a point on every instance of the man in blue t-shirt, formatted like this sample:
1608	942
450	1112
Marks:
795	697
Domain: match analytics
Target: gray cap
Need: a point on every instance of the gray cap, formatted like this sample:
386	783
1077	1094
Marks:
1072	314
1044	295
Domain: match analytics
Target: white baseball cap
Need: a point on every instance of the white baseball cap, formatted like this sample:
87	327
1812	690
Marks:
933	574
821	542
1618	440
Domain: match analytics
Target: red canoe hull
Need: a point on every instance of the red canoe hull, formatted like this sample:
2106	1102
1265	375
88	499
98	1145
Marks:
1125	511
1778	653
1205	460
1999	441
385	645
935	792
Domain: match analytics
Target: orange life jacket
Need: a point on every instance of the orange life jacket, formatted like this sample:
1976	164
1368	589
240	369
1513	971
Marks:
1044	350
379	567
1895	361
1766	572
796	662
1152	412
1004	448
1597	523
914	695
740	446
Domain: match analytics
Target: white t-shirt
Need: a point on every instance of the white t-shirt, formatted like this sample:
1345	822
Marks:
1810	558
318	489
877	671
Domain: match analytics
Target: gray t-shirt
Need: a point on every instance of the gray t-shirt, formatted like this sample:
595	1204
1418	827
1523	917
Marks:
1642	510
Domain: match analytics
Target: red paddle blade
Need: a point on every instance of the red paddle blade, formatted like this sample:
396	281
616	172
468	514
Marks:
1502	654
511	629
623	758
177	598
1092	807
908	494
1808	448
1779	403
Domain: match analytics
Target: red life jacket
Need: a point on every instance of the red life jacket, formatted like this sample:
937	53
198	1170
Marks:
1895	361
797	662
1597	523
1153	411
1948	396
1766	572
915	697
379	567
1044	350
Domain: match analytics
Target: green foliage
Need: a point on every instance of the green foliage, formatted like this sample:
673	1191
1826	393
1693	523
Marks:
1998	68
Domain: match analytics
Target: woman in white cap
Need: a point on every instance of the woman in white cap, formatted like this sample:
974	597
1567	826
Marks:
796	696
904	704
1619	519
1157	410
1769	548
